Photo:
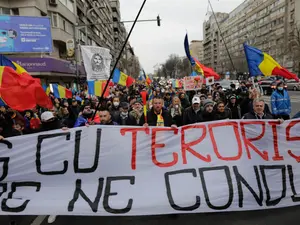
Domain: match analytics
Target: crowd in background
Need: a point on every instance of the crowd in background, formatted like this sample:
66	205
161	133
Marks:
166	106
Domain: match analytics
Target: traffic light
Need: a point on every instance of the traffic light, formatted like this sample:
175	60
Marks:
158	20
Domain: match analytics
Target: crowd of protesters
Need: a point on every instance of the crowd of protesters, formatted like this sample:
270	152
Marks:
166	107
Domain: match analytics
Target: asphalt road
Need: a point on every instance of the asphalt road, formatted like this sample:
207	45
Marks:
273	217
295	100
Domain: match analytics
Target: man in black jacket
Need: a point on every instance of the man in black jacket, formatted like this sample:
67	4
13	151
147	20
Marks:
125	118
157	116
258	111
193	113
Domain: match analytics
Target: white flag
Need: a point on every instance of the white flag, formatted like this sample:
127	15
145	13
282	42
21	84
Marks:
96	62
210	81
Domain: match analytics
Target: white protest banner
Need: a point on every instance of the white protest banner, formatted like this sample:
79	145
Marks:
192	83
206	167
97	62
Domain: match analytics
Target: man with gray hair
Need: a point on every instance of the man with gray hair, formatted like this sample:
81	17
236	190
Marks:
258	111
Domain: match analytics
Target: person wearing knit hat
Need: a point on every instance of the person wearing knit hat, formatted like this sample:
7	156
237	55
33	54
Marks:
208	113
208	102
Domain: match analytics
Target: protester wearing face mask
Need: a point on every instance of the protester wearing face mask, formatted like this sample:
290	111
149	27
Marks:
193	113
176	111
281	103
114	109
85	117
50	122
125	119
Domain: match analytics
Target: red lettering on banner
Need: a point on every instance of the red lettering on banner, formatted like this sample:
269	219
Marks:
154	146
248	141
277	156
134	135
237	135
295	138
187	146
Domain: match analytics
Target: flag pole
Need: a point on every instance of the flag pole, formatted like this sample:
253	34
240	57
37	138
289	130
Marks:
118	59
221	35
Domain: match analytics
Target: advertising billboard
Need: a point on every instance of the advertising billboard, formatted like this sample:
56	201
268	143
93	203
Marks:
25	34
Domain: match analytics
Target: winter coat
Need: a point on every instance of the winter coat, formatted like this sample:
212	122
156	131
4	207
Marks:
128	121
235	110
152	118
281	103
223	115
253	116
207	117
82	121
191	117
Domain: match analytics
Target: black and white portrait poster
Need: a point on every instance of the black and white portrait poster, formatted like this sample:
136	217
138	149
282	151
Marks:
97	62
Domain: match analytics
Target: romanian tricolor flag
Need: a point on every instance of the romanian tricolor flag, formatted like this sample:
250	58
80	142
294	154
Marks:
206	71
61	92
197	66
176	83
122	79
145	77
4	61
96	88
21	91
260	63
150	94
187	50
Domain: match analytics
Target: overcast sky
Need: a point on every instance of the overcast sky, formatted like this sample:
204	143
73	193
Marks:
153	44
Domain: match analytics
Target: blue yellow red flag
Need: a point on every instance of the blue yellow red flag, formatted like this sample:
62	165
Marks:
262	64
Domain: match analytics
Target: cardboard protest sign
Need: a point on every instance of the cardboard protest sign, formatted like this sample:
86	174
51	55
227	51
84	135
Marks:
207	167
192	83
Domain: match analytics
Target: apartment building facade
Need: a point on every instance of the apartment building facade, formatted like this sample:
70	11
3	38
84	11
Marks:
197	50
268	25
211	39
90	22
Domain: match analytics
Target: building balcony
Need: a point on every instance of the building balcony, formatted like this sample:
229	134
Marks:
60	35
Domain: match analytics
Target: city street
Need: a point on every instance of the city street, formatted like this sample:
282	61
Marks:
295	100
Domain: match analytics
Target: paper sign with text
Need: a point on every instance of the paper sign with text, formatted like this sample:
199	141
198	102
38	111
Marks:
206	167
192	83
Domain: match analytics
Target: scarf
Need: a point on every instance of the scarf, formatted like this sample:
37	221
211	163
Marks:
160	120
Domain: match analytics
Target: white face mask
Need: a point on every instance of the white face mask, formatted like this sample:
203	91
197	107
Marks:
124	114
176	106
116	104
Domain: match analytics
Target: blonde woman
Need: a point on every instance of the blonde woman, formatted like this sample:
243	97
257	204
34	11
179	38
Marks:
176	111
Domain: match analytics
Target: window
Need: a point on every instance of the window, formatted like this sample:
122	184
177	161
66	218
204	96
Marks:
69	4
15	11
64	25
4	11
54	19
